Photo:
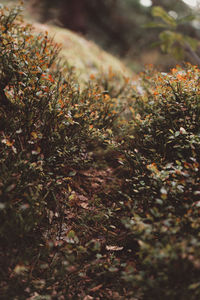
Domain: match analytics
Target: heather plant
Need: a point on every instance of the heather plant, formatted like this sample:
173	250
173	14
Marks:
99	186
161	150
46	127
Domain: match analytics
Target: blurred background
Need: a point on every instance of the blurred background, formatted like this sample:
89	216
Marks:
121	26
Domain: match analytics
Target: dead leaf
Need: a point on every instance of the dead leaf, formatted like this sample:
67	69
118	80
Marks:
88	297
82	198
96	288
113	248
84	205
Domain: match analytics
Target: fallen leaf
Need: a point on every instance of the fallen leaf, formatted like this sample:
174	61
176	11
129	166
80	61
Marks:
96	288
113	248
88	297
84	205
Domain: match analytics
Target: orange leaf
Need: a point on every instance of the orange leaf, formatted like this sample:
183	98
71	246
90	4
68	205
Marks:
34	134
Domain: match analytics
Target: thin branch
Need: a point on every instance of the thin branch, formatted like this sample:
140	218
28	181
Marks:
192	53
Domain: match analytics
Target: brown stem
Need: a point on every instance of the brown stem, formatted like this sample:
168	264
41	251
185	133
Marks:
3	99
192	54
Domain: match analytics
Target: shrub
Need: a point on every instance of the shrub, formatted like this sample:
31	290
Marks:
91	205
162	148
47	126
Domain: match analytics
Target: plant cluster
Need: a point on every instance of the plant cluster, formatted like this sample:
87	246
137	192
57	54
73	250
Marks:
172	40
47	128
93	206
162	148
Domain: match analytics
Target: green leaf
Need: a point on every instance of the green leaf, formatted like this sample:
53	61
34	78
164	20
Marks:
194	286
158	11
192	42
186	19
170	40
72	173
154	25
178	52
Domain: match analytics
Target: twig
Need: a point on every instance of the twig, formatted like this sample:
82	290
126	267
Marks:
192	53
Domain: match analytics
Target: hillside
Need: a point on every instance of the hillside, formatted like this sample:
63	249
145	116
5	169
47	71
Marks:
85	56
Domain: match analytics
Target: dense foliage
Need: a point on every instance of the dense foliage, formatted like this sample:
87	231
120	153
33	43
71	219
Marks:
162	148
47	127
99	187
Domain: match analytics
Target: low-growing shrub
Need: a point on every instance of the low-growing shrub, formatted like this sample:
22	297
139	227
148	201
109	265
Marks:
47	126
162	147
93	206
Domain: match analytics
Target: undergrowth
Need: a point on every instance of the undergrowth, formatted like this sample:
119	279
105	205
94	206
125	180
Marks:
99	187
